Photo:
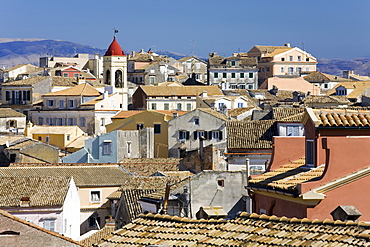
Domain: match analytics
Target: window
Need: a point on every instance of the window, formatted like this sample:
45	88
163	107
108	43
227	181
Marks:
11	124
26	95
221	105
241	86
188	65
13	158
299	69
196	121
240	105
152	80
61	104
139	126
72	103
68	137
250	75
250	86
241	75
60	121
282	69
179	106
94	221
310	152
232	75
157	128
49	224
41	121
232	63
75	74
215	75
224	75
8	95
292	130
267	69
282	59
188	106
299	58
290	58
290	71
51	103
102	122
128	147
95	196
47	139
184	135
39	138
65	74
220	183
197	65
166	106
107	147
82	121
307	59
326	85
154	106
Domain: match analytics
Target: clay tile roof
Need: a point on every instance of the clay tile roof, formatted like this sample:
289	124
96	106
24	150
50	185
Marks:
114	49
237	111
326	99
148	166
284	114
26	82
64	81
98	235
83	89
318	76
245	230
357	87
92	175
342	117
180	91
213	113
126	114
41	191
286	177
250	135
9	112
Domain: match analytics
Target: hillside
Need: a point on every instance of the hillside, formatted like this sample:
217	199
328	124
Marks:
29	51
20	51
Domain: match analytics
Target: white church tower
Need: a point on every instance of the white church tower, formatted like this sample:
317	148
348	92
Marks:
115	71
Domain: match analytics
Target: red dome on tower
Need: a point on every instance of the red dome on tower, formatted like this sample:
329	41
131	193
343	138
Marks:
114	49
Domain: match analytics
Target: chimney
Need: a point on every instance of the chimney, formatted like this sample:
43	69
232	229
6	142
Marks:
204	94
274	90
345	213
105	95
287	44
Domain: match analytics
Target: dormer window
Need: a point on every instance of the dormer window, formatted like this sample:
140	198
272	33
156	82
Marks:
233	63
196	121
341	91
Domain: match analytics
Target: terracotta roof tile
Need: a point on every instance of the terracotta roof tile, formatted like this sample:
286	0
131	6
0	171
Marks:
26	82
41	191
287	177
245	230
181	91
83	89
93	175
250	135
147	166
342	117
9	112
288	113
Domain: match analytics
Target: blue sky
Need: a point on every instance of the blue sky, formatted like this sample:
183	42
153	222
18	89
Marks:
326	28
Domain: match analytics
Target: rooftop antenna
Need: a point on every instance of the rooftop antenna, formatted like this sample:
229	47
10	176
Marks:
302	46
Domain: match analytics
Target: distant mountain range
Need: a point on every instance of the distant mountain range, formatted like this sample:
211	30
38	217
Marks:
21	51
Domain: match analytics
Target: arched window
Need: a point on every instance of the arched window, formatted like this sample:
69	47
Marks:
118	78
107	79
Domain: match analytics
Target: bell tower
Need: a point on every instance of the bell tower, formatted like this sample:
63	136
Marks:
115	70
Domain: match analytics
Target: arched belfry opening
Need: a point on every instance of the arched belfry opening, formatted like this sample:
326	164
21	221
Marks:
118	75
107	77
